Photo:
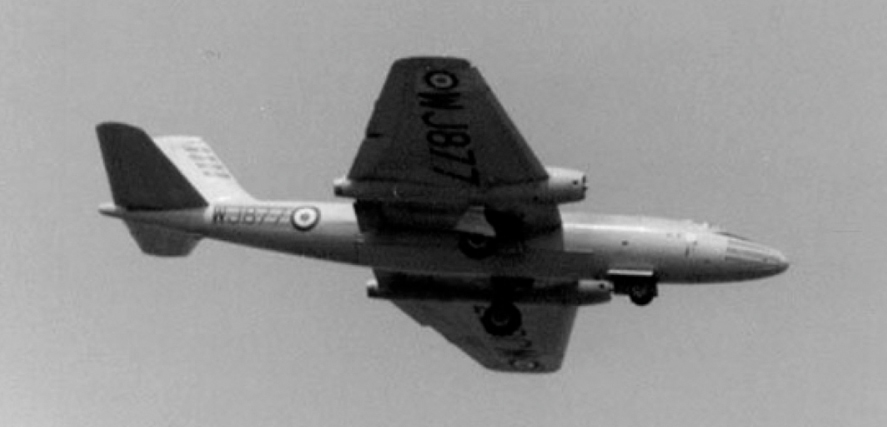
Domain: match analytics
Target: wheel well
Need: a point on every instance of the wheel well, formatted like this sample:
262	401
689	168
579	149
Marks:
623	280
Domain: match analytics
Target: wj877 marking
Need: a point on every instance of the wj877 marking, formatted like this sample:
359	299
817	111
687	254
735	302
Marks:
449	141
302	218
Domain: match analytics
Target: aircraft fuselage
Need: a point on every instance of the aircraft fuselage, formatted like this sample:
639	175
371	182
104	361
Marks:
450	207
587	247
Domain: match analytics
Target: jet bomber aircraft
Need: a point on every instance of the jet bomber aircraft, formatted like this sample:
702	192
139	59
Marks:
459	221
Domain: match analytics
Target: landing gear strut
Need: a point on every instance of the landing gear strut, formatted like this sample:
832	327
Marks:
501	319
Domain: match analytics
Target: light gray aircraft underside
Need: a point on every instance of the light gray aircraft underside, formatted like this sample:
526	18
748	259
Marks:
456	216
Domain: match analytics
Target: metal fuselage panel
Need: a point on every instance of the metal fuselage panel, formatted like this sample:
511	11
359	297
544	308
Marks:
587	246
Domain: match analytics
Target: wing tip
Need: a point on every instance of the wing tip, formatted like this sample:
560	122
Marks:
432	61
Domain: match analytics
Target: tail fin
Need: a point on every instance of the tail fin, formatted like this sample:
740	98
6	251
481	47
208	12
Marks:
175	172
168	173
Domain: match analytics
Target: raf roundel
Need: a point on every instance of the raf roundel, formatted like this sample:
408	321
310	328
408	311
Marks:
441	80
305	218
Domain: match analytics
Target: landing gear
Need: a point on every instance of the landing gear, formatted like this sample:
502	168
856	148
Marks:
641	290
477	246
642	293
501	319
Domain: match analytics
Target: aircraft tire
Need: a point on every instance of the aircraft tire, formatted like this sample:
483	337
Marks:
501	319
476	246
642	293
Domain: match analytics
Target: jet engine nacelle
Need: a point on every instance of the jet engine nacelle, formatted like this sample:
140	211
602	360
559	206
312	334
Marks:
585	293
562	186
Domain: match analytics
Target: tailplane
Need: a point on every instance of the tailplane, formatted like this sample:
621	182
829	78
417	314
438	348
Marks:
162	174
161	241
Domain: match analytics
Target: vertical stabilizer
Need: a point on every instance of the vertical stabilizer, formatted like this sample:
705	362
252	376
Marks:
162	174
167	173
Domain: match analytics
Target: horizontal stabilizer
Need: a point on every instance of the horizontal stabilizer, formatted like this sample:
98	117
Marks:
160	241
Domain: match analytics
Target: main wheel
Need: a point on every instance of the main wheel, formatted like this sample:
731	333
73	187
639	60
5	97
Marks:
476	246
501	319
641	292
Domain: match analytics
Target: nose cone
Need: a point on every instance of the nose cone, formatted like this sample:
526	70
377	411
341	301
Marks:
778	261
755	260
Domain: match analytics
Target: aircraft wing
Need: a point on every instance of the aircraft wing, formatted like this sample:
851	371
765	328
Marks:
437	123
439	142
537	347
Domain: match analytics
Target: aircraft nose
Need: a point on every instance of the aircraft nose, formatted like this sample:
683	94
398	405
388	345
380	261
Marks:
779	261
760	259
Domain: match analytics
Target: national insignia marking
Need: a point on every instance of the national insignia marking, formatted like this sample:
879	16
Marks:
305	218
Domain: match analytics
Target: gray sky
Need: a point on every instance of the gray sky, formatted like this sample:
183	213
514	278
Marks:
767	117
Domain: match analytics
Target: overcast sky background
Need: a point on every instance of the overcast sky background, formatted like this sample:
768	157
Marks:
767	117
